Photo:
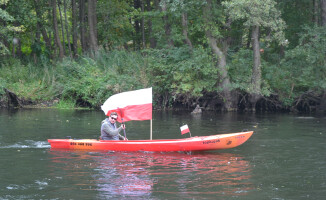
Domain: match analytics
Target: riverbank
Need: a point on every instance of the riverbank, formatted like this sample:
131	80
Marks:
177	82
10	100
206	103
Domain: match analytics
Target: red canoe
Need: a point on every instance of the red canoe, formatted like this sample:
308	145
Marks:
201	143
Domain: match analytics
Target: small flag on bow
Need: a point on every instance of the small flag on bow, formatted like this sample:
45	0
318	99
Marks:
184	129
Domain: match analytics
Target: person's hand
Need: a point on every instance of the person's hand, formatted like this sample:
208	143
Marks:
126	138
123	126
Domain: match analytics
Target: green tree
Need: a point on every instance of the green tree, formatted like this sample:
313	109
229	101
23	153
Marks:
259	16
114	23
304	67
7	27
215	22
296	14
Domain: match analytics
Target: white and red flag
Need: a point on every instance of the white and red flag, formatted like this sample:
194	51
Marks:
132	105
184	129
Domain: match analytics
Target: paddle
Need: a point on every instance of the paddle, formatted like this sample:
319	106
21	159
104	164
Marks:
124	130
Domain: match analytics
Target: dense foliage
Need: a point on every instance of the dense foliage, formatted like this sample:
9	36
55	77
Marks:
268	55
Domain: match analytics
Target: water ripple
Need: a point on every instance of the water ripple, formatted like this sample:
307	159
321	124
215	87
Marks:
27	144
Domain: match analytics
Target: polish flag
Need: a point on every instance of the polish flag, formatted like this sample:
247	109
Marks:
184	129
133	105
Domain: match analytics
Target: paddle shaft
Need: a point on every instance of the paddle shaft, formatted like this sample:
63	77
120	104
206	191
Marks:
124	130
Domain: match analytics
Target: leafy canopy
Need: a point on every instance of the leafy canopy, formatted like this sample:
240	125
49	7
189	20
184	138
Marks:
259	13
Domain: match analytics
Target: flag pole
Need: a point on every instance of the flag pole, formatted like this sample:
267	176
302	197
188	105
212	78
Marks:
151	129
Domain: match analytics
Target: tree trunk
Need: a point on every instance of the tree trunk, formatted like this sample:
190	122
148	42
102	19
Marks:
323	12
316	12
229	100
56	30
143	26
19	52
13	51
67	28
36	43
92	22
152	41
167	25
185	29
46	39
323	23
82	25
38	34
95	21
255	94
40	24
40	21
74	27
137	27
62	28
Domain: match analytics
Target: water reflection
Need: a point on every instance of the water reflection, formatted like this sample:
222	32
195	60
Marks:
144	174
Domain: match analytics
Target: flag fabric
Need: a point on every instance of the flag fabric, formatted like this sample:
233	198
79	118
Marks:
184	129
132	105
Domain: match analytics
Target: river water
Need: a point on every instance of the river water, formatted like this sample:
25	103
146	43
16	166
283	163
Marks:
284	159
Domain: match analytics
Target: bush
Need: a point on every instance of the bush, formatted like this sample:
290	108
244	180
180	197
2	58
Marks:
90	82
181	74
240	71
27	81
304	67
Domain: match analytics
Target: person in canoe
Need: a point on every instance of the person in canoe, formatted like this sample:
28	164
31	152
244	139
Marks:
109	130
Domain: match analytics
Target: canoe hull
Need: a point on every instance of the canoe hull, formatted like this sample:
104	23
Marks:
201	143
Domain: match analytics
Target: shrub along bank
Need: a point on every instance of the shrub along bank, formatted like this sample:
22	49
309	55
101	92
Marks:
181	78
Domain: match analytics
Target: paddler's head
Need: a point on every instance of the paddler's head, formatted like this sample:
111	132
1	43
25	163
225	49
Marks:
113	117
